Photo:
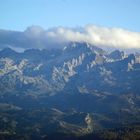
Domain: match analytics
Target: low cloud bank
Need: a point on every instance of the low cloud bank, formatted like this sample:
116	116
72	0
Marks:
37	37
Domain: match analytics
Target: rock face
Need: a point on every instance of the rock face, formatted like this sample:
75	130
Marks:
116	55
76	66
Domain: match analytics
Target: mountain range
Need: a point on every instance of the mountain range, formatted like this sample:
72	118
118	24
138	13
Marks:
87	67
81	80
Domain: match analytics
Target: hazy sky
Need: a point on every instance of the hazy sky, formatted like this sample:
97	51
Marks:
18	14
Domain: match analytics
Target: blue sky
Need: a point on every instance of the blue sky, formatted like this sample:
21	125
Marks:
18	14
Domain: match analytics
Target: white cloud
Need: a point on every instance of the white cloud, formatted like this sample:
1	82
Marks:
37	37
99	36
